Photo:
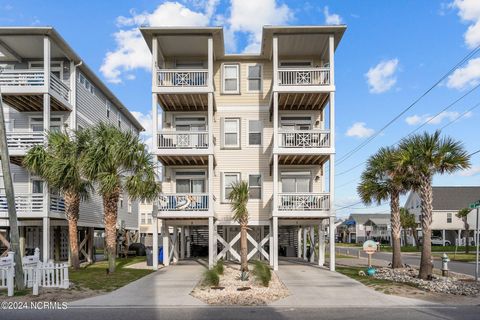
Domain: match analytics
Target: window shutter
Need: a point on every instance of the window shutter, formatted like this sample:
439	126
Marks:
239	133
222	190
222	135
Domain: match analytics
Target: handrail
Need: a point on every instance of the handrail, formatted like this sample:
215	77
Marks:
167	139
24	140
304	138
304	76
184	202
307	201
182	77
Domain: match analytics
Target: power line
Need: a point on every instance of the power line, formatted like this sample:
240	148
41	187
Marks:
361	145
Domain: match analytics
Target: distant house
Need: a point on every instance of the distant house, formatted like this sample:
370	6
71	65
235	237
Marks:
447	201
356	230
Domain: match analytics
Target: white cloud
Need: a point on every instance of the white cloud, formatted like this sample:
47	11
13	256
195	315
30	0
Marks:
466	76
359	130
382	77
469	12
473	171
131	50
331	19
446	115
249	16
147	122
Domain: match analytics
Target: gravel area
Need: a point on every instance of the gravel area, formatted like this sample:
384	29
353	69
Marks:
450	285
230	280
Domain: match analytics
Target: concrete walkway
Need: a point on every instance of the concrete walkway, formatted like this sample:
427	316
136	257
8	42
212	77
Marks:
170	286
312	286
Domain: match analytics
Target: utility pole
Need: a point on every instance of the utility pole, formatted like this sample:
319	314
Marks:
9	192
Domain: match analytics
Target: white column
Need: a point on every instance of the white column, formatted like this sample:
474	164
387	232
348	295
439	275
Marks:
459	237
443	237
175	244
305	243
187	241
275	184
182	242
271	243
210	63
262	235
210	120
211	173
46	239
299	242
275	243
155	236
166	244
211	243
22	241
275	122
331	229
46	63
73	95
331	50
275	62
321	245
312	244
154	64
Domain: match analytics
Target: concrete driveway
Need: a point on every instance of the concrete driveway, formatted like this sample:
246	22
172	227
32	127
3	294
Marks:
312	286
170	286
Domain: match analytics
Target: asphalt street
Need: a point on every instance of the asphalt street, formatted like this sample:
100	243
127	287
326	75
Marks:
249	313
413	259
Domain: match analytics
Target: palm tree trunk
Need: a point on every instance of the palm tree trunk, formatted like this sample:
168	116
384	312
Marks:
110	203
415	237
396	229
426	265
72	207
243	247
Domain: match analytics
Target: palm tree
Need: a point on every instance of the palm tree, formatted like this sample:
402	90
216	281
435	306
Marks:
383	180
423	156
463	214
238	197
118	162
407	220
59	165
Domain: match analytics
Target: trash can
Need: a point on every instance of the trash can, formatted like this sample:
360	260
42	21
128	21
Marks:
149	252
160	254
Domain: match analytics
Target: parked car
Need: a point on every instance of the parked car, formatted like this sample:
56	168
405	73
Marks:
437	241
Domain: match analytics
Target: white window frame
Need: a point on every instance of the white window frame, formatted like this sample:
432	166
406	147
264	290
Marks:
231	146
256	187
108	109
237	90
250	78
119	120
239	176
129	206
31	120
449	217
260	132
54	66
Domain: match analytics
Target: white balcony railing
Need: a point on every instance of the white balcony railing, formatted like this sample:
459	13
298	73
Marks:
304	201
304	77
25	203
24	140
182	78
183	140
304	139
184	202
33	78
32	203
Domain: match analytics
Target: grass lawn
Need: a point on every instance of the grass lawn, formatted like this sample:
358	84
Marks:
434	249
462	256
341	244
95	277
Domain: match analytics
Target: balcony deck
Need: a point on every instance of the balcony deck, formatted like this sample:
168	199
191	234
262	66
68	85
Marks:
184	205
31	205
183	147
24	89
19	142
305	205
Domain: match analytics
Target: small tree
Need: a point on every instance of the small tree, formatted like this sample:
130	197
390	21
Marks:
463	214
407	220
59	165
238	197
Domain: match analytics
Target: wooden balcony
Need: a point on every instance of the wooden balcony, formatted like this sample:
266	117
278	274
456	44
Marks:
184	205
303	204
183	147
19	142
303	139
23	90
182	78
31	205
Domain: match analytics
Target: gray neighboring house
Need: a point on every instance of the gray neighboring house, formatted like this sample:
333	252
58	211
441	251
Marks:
364	226
447	201
46	86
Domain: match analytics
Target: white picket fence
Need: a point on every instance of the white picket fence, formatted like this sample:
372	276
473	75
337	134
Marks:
7	273
36	273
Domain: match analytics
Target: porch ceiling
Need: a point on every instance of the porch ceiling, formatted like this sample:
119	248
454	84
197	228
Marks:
302	100
31	103
182	160
13	47
302	159
184	102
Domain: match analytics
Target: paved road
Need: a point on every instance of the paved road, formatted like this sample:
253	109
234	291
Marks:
250	313
413	259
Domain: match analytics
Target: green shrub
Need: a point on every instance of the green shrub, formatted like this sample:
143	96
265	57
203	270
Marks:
211	278
219	267
262	273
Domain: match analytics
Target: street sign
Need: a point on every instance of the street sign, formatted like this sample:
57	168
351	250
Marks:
475	205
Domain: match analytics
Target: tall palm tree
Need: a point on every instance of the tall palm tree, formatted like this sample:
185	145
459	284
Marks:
463	214
423	156
407	220
59	165
383	180
116	162
238	197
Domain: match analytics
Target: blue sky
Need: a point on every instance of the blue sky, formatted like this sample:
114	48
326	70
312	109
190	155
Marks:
391	53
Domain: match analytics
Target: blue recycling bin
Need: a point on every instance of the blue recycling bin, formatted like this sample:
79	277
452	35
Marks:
160	254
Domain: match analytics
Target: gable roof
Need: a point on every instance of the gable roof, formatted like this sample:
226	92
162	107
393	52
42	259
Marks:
379	221
361	218
454	198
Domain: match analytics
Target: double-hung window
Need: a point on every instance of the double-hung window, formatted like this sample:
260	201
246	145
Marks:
255	78
255	186
229	179
231	75
255	132
449	217
231	133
